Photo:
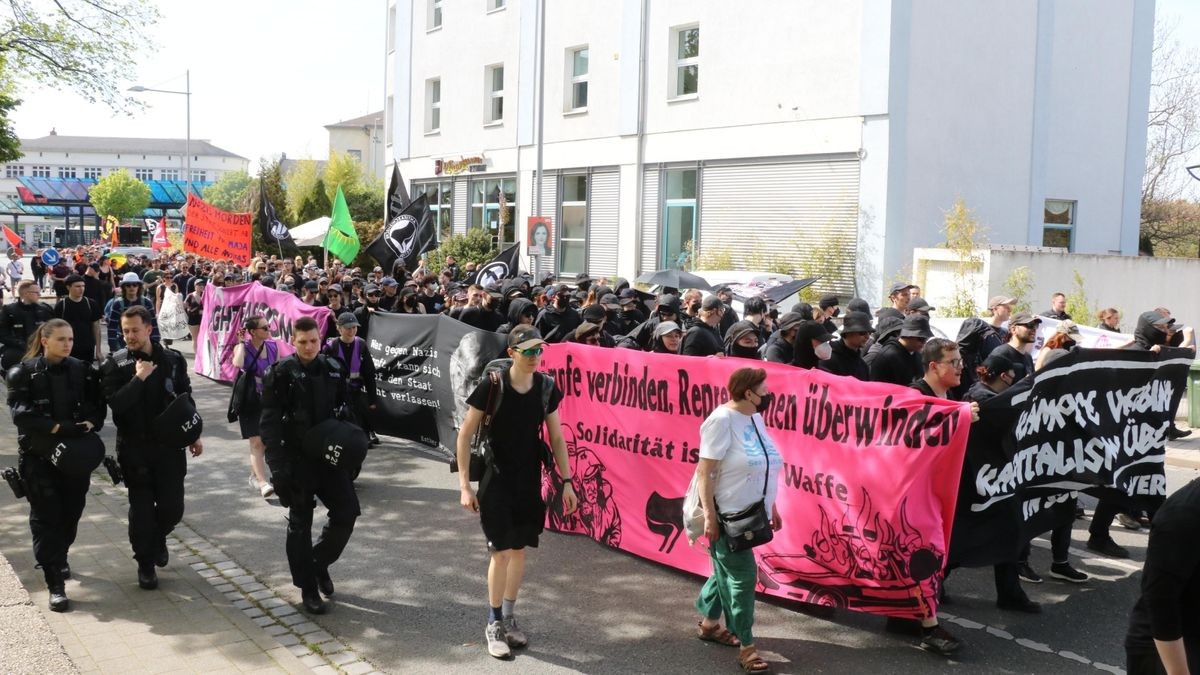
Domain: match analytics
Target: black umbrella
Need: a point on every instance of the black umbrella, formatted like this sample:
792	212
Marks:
674	279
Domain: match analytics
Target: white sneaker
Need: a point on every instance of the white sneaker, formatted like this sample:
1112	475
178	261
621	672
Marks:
497	642
266	489
513	634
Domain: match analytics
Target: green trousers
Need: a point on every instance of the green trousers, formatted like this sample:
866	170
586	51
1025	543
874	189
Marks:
730	590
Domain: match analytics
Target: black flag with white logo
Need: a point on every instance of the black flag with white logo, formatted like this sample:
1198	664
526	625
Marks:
405	237
397	194
506	265
272	229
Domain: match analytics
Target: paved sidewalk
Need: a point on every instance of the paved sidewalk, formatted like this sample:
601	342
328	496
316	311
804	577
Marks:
27	645
199	620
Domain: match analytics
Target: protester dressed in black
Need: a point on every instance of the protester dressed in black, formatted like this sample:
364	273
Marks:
299	392
360	371
704	337
139	381
845	357
53	396
84	315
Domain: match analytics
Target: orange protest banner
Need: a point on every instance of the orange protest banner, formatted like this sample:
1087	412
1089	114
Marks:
216	234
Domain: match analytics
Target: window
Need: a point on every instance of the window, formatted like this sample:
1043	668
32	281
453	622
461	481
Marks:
435	15
494	77
433	105
441	201
577	78
486	196
92	172
143	174
391	29
170	174
199	176
572	235
1058	230
679	218
41	171
685	76
389	113
493	5
14	170
66	172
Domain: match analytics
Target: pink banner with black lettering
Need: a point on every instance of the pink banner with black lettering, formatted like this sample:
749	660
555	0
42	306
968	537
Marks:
866	493
224	311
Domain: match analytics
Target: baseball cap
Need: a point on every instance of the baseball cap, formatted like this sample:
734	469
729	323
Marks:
997	300
609	301
370	288
593	313
1155	319
712	302
335	288
900	286
311	285
524	337
377	269
665	327
1067	327
347	320
1024	319
388	281
920	305
73	279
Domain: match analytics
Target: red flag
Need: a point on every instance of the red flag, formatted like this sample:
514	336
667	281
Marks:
14	239
158	231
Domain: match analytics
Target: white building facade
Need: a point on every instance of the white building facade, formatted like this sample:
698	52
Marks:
361	138
93	157
674	128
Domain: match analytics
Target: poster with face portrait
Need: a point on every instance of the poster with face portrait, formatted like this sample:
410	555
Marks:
540	230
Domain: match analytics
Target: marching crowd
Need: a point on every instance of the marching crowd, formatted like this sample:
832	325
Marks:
98	348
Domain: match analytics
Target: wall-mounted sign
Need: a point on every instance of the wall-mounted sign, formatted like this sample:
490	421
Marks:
449	167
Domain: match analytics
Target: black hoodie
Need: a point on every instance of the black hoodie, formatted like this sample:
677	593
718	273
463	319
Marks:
516	308
846	361
1146	335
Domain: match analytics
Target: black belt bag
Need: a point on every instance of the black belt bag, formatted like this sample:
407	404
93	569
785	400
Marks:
749	527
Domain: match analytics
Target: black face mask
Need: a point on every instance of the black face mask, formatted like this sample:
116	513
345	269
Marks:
694	307
743	351
561	302
764	402
836	312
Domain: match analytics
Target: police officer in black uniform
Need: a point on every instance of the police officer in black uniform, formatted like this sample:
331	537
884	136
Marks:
19	320
299	392
138	383
53	396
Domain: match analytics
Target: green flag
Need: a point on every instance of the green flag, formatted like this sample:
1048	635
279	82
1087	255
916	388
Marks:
341	240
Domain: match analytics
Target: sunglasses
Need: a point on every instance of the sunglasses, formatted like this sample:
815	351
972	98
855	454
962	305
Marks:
532	352
374	295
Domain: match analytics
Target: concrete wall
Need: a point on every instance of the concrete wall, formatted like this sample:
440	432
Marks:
1131	284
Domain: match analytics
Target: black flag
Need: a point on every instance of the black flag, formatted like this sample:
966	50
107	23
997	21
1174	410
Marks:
272	229
397	195
405	237
506	265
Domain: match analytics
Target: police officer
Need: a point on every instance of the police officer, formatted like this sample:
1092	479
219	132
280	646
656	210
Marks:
53	396
360	369
299	392
19	320
138	381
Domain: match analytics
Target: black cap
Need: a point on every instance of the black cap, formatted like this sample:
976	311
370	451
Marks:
524	337
1024	319
916	325
920	305
311	285
899	286
856	322
73	279
997	363
813	330
858	305
593	313
828	301
347	320
738	329
712	302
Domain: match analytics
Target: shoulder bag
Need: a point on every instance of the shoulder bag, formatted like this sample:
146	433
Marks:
752	526
244	385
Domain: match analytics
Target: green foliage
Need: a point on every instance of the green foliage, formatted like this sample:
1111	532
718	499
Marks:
474	246
299	183
88	46
827	261
715	258
367	231
365	205
10	143
964	236
232	192
1077	301
119	194
1019	285
316	204
345	171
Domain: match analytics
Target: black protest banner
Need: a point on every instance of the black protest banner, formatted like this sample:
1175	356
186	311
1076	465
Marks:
425	368
1093	421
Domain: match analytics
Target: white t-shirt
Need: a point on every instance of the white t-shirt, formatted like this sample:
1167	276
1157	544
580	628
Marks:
727	436
15	269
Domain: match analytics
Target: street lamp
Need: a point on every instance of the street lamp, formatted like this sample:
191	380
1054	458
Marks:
1192	171
187	143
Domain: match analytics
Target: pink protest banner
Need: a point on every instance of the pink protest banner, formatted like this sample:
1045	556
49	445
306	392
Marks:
224	311
866	493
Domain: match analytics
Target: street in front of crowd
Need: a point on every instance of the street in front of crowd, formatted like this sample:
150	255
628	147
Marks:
410	591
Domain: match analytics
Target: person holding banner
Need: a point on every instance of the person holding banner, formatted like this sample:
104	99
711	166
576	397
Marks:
704	336
509	502
667	338
254	356
738	471
53	397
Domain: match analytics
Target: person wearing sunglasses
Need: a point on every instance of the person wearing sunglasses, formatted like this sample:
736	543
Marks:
254	353
372	294
509	502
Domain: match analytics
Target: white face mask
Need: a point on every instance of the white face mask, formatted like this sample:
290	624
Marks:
823	351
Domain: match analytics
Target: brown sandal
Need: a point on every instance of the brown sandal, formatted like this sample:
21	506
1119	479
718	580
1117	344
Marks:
751	662
717	634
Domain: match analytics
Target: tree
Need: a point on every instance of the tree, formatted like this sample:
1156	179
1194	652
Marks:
1172	135
270	175
365	205
88	46
232	192
299	182
345	171
964	236
316	204
474	246
120	195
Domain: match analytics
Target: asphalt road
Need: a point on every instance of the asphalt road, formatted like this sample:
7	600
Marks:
411	588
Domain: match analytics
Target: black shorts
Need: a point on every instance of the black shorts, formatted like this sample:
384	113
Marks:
512	512
248	420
